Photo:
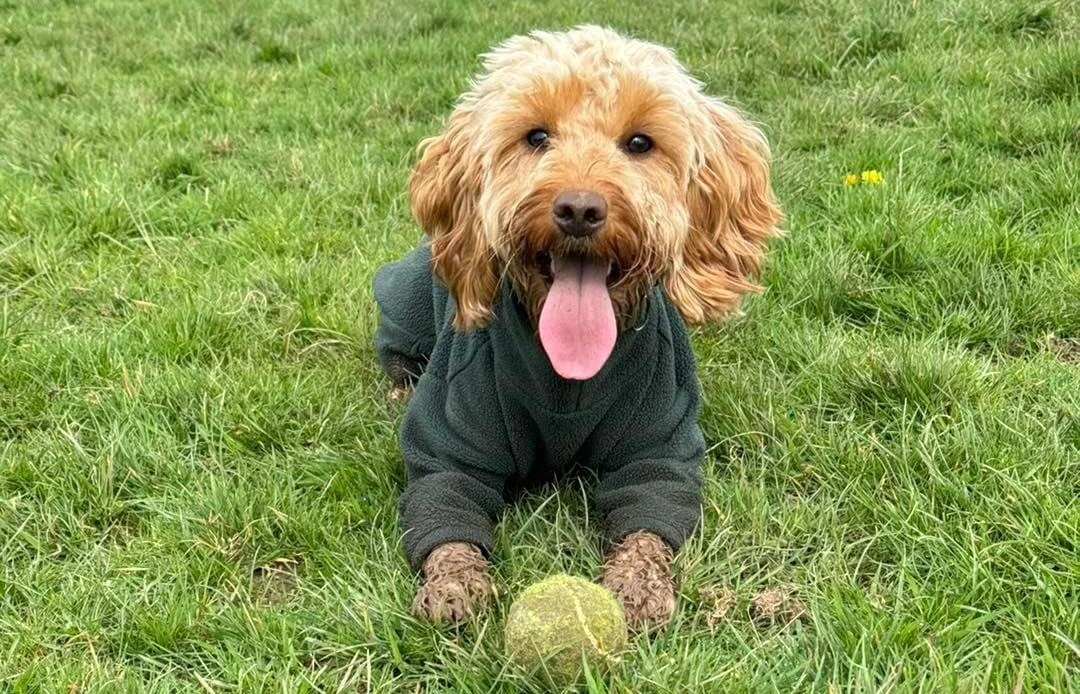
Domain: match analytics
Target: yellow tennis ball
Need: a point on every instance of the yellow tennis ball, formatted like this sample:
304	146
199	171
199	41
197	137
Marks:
557	623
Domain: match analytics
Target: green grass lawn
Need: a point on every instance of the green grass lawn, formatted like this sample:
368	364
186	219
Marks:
197	466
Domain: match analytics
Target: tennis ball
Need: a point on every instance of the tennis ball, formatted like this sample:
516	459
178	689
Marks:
553	624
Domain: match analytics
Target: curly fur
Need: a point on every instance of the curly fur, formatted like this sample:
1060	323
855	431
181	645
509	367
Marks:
457	584
693	214
638	571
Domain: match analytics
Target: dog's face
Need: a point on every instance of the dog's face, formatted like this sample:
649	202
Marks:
586	168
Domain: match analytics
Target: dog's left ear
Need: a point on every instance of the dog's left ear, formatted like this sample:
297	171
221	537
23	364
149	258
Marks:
443	192
733	213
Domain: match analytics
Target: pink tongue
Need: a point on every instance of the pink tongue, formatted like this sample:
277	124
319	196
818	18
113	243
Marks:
577	323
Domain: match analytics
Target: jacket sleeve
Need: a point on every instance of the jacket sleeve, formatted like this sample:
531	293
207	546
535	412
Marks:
406	333
457	459
651	480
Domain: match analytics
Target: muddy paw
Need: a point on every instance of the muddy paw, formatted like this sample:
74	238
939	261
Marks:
457	584
638	571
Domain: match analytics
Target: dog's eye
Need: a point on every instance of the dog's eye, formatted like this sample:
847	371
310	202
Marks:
537	139
639	144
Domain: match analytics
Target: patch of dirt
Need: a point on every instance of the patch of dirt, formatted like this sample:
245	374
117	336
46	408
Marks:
276	583
220	146
777	606
719	602
1067	349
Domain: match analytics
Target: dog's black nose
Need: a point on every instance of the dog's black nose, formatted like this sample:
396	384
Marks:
579	213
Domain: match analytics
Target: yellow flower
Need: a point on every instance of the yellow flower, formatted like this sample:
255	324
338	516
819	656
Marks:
851	180
873	177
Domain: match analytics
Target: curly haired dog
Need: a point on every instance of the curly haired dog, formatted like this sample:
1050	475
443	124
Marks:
584	202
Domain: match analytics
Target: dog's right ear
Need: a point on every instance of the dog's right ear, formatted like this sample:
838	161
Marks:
444	192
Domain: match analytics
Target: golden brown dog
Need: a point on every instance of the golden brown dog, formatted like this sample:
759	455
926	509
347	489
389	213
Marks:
586	169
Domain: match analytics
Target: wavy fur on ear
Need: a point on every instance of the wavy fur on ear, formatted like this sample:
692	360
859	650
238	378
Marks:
443	191
733	213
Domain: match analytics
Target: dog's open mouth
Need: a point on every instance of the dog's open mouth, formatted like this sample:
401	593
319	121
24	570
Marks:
543	266
577	323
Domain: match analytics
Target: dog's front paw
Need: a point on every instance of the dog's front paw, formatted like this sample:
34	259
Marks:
457	584
638	571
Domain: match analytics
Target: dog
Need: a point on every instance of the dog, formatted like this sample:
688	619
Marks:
585	201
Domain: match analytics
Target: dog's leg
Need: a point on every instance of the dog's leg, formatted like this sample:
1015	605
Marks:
458	469
406	332
638	571
457	584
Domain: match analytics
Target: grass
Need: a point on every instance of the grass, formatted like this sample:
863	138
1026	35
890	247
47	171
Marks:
198	470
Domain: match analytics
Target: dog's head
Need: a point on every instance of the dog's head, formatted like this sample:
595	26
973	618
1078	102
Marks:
586	167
